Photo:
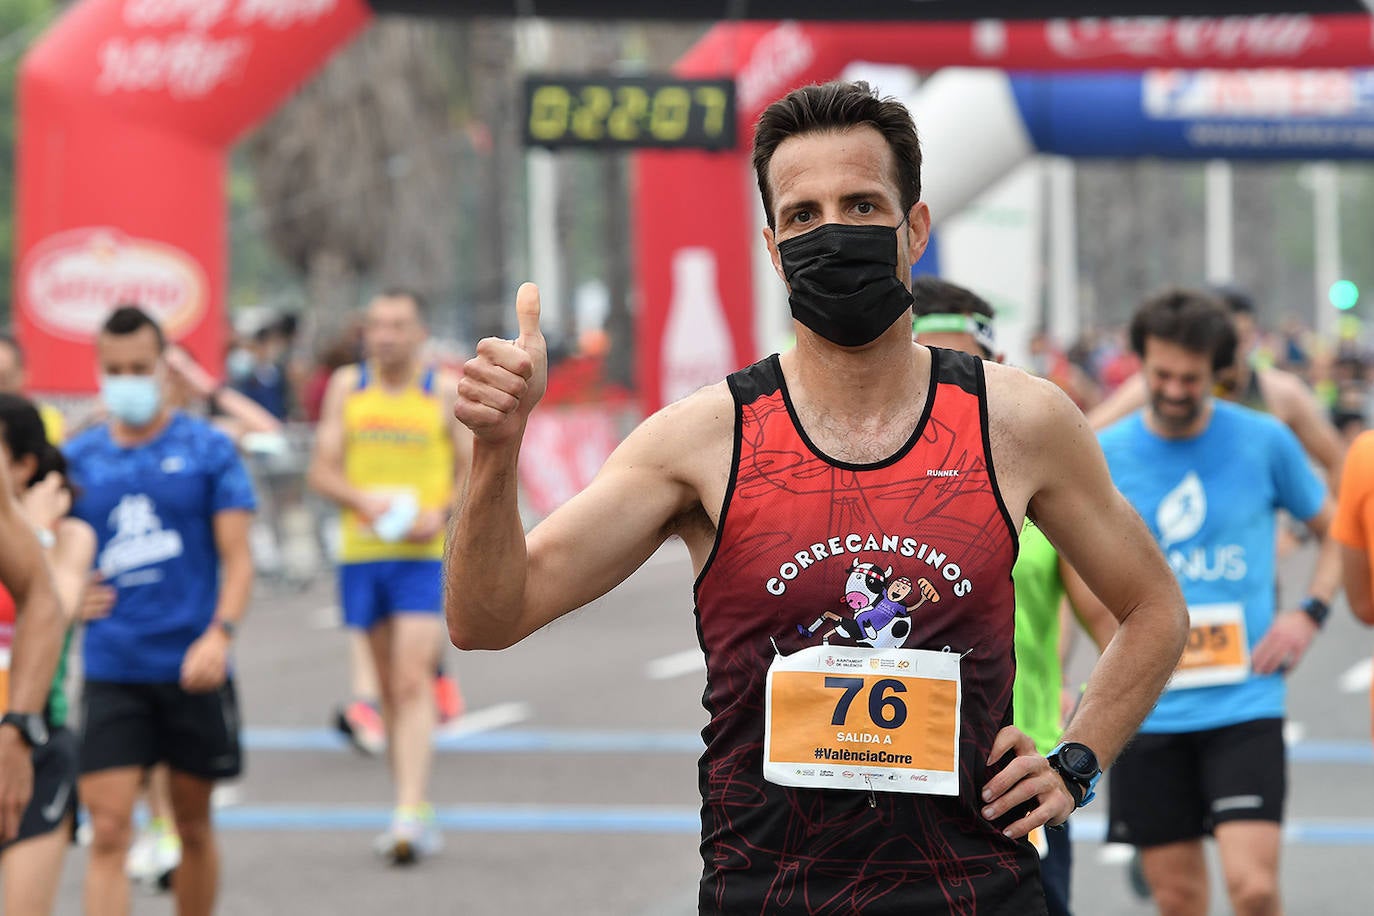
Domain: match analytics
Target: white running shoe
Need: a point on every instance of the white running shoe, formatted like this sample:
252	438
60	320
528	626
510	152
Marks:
414	835
154	855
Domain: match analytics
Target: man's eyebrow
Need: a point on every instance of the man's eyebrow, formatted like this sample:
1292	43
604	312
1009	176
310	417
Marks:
791	205
856	196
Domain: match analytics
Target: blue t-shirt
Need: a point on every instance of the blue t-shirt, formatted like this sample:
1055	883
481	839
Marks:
1210	502
152	508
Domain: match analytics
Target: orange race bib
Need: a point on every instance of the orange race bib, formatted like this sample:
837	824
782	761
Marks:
1218	651
841	717
4	678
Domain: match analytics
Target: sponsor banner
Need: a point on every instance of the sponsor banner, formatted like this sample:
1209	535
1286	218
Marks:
72	280
561	452
126	111
904	10
1262	114
770	58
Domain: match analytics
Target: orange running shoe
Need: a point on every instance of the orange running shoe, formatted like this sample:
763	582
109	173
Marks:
361	723
448	699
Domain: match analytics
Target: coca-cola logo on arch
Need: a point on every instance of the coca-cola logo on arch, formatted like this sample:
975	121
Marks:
73	279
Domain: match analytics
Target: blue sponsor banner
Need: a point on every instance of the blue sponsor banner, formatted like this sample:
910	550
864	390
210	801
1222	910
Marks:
1176	114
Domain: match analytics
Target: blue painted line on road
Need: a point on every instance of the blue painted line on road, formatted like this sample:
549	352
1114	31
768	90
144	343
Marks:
470	819
1356	752
509	741
1092	828
644	819
596	741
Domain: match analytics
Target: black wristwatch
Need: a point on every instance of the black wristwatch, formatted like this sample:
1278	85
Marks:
31	727
1317	609
1077	765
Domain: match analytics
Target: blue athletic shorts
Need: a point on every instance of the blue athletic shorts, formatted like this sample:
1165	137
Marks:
372	592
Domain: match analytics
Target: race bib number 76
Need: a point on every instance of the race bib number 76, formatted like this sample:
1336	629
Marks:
886	720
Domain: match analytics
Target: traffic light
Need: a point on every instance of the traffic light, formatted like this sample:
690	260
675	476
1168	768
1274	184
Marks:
1343	295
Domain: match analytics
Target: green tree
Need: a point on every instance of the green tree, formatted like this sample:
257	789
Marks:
21	21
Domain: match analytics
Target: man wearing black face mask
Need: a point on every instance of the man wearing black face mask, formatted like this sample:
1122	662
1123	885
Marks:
863	769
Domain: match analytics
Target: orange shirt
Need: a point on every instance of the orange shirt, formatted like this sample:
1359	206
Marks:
1353	525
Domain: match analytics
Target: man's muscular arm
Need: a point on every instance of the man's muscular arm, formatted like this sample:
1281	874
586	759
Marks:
500	585
1111	549
38	632
1060	468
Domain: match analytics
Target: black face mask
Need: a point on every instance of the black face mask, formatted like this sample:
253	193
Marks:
844	281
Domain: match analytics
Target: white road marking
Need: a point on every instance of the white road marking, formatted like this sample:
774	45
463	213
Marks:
226	795
1293	732
675	665
1115	853
1358	677
329	617
483	720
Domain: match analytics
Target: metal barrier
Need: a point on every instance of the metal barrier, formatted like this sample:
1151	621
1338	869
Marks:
294	536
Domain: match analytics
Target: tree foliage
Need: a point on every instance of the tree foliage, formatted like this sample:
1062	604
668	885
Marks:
20	22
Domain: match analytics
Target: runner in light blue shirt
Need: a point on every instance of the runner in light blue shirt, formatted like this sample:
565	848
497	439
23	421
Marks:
1208	478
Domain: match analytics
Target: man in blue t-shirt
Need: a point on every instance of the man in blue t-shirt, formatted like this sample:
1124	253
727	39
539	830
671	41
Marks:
171	503
1207	477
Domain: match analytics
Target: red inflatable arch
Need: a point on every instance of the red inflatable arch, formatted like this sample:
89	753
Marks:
127	110
704	204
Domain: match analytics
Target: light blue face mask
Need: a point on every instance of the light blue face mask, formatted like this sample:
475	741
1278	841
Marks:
134	399
239	363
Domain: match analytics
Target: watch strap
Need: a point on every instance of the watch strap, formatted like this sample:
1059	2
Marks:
1081	790
1317	609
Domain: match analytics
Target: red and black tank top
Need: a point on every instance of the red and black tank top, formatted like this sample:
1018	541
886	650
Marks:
804	548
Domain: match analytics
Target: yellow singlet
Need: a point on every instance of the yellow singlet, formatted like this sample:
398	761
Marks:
395	442
53	424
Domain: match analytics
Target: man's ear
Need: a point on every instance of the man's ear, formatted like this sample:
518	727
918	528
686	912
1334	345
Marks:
773	254
917	230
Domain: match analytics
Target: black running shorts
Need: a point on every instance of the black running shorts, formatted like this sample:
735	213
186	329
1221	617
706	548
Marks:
54	786
143	724
1167	788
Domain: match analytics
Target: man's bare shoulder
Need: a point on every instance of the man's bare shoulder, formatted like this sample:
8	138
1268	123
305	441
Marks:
344	377
1032	426
701	421
1019	400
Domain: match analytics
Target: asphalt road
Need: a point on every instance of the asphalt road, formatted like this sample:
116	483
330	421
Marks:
570	788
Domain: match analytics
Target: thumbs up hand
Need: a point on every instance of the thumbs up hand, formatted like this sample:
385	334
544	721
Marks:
502	383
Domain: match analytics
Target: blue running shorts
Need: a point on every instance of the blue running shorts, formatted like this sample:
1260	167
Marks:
372	592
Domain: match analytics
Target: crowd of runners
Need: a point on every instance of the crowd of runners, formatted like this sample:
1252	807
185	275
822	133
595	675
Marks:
1139	485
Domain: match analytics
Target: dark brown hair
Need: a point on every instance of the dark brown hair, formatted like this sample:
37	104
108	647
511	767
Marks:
21	426
130	319
937	297
1192	319
839	106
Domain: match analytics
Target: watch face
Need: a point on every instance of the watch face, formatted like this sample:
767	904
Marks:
32	727
1078	760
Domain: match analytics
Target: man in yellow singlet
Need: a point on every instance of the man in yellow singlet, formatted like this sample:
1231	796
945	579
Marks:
389	452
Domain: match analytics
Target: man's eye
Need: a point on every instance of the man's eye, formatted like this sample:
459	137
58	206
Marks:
864	207
802	216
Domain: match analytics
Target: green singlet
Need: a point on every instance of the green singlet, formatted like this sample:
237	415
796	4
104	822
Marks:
1039	678
57	696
